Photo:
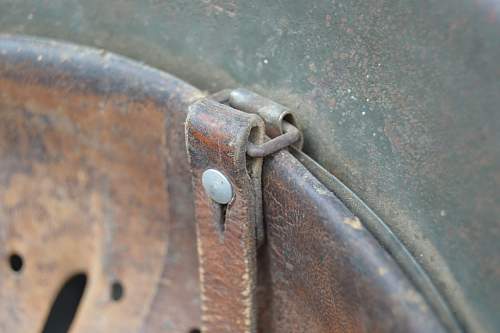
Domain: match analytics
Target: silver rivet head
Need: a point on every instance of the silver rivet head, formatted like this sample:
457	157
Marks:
217	186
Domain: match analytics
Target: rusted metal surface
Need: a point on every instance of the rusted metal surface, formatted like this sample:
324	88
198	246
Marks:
94	178
83	188
217	137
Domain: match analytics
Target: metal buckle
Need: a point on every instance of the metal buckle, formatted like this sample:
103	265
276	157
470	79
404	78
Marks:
280	124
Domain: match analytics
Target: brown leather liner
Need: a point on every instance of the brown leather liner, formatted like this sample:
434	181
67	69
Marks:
86	168
324	271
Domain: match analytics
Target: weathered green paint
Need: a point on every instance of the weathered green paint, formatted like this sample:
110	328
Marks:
399	99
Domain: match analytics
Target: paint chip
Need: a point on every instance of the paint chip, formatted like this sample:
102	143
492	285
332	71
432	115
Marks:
353	223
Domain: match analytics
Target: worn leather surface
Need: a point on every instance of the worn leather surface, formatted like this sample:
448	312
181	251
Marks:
83	189
216	138
325	272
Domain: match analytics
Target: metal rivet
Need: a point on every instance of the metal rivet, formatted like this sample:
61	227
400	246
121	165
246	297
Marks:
217	186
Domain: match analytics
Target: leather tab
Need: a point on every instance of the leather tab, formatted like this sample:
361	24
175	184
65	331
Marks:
217	137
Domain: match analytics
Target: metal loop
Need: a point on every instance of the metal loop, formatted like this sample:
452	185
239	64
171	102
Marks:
273	115
291	135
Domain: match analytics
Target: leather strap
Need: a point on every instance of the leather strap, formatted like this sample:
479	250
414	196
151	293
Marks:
217	138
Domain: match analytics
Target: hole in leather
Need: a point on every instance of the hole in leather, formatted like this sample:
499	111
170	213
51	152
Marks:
65	305
16	262
117	291
223	212
219	218
195	330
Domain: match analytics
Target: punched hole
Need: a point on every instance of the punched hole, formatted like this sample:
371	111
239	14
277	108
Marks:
219	218
117	291
16	262
65	305
195	330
